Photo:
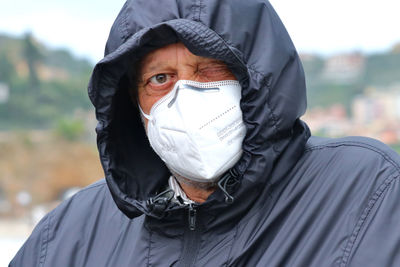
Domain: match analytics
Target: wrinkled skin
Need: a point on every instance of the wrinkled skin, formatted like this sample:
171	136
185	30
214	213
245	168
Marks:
160	69
158	73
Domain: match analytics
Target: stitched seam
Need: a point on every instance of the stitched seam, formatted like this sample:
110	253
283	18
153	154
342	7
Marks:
217	117
103	183
358	144
194	10
265	82
199	10
232	243
124	26
148	254
363	218
43	247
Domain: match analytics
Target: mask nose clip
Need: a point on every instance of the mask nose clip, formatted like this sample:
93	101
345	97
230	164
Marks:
188	86
174	98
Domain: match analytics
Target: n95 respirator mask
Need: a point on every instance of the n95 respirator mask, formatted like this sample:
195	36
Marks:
197	128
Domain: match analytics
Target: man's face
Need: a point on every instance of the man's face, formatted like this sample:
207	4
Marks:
162	68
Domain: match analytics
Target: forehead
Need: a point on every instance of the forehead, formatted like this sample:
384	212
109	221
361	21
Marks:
167	51
170	54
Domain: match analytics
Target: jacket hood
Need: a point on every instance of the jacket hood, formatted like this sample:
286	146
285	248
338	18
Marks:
251	39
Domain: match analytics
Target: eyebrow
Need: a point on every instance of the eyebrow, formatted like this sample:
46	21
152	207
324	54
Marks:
155	66
152	67
215	62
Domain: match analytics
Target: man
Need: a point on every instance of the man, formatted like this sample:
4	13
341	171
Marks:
206	160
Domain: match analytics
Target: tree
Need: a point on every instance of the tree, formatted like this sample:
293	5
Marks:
7	69
32	57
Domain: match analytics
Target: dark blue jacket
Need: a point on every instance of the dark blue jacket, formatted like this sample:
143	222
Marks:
291	200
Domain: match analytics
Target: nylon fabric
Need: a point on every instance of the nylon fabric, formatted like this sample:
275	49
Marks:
298	200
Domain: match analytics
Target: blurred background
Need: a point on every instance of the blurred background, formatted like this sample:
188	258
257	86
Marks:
350	51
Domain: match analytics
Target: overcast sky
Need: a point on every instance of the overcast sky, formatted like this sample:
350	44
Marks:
320	26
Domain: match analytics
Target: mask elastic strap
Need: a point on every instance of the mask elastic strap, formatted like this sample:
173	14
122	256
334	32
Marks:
144	114
188	86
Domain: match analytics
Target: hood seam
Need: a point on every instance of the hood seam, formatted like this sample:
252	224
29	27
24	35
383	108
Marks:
124	26
265	83
199	10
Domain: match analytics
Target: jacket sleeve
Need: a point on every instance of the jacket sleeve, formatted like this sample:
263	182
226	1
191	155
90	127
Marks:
33	252
375	240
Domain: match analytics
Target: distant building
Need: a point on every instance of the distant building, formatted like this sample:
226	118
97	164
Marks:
331	121
377	114
377	104
344	68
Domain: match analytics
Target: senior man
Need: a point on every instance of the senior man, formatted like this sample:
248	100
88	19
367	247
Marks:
207	162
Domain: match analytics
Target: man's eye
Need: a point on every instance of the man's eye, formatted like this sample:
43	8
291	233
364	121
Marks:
159	78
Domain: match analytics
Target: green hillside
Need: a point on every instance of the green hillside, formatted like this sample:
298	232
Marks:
44	84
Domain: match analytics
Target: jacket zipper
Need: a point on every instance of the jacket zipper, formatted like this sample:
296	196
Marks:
191	243
192	217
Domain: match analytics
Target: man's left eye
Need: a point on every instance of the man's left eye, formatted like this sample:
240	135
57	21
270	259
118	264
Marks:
159	78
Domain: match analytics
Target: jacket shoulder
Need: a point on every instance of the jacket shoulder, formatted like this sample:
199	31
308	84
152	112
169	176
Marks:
316	142
365	147
87	201
89	214
365	177
359	164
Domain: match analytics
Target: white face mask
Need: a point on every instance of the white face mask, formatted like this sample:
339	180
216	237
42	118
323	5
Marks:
197	128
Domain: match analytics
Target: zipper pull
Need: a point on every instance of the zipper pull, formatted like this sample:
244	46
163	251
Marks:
192	217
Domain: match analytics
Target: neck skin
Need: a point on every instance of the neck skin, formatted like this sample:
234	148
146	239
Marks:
196	194
196	191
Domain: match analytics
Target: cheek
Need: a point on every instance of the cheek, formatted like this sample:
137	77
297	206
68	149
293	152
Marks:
147	98
229	76
145	101
226	74
144	105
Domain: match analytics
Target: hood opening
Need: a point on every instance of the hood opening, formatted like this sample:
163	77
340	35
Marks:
273	99
134	172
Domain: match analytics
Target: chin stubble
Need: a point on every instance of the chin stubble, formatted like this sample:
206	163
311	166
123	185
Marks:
200	185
